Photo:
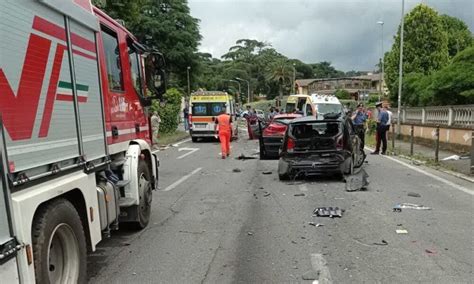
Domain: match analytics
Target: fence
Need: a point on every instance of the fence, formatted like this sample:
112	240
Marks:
458	116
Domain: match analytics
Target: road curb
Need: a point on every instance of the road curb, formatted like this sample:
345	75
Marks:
455	174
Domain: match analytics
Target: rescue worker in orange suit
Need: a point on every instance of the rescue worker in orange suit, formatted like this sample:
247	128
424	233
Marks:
224	122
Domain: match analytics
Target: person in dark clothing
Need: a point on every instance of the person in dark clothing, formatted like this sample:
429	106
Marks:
186	117
382	120
359	119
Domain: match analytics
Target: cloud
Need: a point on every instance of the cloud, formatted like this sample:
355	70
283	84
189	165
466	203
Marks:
343	32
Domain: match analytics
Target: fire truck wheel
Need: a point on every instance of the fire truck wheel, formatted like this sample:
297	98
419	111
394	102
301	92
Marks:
145	193
59	244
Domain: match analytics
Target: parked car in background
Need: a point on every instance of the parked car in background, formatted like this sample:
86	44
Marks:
314	146
273	133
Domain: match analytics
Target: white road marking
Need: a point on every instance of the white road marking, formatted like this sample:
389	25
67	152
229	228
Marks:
191	150
176	183
303	187
320	266
181	142
445	181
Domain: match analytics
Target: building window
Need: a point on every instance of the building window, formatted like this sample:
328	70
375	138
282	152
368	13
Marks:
112	58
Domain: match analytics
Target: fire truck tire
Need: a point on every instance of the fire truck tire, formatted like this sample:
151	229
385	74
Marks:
59	244
145	195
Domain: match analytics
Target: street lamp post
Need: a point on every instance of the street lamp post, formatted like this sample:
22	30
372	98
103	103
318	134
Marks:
400	71
234	81
382	61
189	84
248	87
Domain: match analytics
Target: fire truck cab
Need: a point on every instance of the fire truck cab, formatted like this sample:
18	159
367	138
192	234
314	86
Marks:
75	151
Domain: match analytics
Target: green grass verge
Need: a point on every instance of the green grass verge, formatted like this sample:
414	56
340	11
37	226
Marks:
172	137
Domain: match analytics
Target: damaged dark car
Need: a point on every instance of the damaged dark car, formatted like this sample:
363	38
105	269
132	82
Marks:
313	146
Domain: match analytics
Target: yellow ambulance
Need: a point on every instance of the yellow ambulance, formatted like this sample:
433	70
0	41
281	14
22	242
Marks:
301	104
204	107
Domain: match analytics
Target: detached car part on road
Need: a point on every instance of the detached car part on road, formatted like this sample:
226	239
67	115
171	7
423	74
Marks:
272	136
320	146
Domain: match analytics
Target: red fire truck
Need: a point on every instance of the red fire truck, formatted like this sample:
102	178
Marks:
76	162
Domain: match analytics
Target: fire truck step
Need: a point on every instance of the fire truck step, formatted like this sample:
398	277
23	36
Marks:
126	202
122	183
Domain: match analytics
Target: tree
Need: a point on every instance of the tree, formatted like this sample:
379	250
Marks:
165	25
325	70
343	94
282	72
459	35
454	84
425	47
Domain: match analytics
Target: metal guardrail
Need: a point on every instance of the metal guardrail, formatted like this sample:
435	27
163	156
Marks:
459	115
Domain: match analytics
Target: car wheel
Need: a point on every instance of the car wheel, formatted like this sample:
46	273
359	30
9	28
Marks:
194	139
361	159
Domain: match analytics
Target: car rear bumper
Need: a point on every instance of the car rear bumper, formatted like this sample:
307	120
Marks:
314	164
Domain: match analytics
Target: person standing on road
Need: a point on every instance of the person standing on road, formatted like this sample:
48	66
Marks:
359	119
224	123
155	127
186	117
381	137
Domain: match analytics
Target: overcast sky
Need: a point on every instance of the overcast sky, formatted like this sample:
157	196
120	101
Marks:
344	32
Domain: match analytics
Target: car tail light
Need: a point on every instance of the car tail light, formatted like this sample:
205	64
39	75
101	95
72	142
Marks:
275	130
339	143
190	121
290	145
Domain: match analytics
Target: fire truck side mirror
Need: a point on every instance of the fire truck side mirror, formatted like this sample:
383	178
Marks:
156	77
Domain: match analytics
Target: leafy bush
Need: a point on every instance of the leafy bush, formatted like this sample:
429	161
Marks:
342	94
169	111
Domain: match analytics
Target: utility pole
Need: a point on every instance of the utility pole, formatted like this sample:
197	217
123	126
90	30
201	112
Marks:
382	59
294	79
400	71
189	83
248	87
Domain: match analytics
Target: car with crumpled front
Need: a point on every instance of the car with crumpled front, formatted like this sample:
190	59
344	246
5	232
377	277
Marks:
314	146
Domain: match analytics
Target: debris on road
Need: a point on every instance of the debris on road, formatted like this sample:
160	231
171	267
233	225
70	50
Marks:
357	181
401	231
250	233
266	193
236	170
414	194
315	224
430	251
267	172
382	243
400	206
299	194
243	157
456	158
416	163
330	212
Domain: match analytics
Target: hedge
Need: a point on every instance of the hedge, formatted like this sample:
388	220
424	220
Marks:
169	111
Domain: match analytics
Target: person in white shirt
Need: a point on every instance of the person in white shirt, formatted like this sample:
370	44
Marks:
389	122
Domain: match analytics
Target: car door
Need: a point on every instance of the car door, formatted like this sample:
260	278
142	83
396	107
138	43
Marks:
353	138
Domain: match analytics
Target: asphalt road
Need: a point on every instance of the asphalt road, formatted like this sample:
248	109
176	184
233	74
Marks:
210	224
